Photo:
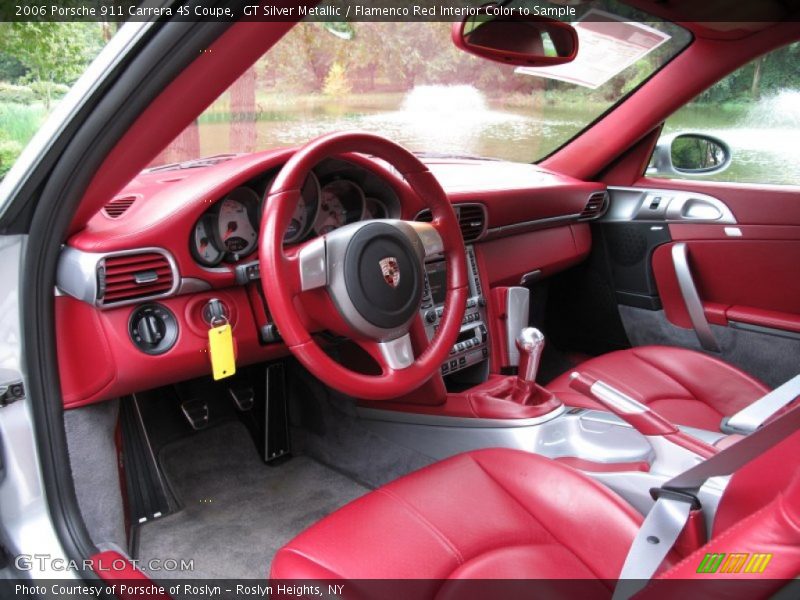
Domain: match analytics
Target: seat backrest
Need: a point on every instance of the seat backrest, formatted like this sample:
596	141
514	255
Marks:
755	546
755	557
758	482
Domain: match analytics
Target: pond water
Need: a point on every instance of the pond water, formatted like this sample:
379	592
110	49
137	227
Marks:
460	120
763	137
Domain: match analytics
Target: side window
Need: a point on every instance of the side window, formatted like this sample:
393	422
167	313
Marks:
744	129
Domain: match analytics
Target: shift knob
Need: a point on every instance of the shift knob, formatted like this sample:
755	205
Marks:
530	343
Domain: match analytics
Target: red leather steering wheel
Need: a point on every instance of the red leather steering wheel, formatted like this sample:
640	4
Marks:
370	274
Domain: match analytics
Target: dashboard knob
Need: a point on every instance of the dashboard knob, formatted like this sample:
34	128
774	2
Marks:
150	329
430	316
153	328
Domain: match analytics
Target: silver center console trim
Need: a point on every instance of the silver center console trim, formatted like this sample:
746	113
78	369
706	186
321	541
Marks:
394	416
601	416
517	310
591	435
562	433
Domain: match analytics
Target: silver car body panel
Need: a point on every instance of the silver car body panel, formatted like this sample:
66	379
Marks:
25	524
26	527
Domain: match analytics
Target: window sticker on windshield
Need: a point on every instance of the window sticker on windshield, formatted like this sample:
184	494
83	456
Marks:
607	46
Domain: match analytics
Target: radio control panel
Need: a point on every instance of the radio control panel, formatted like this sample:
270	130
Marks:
472	345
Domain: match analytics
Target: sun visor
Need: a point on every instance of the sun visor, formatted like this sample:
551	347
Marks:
607	46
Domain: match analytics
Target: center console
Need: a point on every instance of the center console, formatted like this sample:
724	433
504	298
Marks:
628	446
472	345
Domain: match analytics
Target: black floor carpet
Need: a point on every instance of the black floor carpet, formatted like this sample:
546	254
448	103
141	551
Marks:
237	511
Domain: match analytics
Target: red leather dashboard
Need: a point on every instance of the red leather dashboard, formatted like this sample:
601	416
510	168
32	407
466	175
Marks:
97	359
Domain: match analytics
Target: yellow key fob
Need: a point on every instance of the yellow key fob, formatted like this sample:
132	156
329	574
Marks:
220	346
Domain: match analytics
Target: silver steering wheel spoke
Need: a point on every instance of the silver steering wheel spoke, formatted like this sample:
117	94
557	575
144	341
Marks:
313	265
398	353
321	263
427	234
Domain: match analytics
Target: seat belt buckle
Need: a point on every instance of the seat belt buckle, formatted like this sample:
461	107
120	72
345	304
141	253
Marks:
657	493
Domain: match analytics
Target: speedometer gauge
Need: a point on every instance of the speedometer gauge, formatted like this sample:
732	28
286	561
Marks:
235	230
203	247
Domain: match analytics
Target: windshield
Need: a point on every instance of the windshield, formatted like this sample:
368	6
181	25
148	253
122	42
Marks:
408	82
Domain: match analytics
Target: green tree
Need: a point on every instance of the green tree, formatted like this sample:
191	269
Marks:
51	52
11	69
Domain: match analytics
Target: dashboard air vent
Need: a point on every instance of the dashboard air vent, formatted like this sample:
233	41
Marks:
126	277
595	207
471	218
117	207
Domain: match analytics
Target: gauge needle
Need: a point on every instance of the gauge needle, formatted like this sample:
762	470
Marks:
232	226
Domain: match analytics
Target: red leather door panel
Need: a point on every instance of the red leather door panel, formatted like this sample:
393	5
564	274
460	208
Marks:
754	280
752	276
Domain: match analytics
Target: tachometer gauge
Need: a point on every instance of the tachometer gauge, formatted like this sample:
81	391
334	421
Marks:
235	230
306	211
203	247
331	214
341	202
375	209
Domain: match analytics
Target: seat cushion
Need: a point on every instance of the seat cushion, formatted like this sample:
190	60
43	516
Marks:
685	386
494	513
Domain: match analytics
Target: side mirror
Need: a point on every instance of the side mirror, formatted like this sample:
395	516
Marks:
528	41
690	154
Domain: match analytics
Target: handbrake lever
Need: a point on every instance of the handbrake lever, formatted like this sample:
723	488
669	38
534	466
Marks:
640	416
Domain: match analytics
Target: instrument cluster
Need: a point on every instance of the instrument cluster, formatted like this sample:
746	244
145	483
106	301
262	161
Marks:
228	231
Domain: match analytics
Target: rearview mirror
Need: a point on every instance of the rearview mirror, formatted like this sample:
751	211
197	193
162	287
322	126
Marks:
689	154
529	41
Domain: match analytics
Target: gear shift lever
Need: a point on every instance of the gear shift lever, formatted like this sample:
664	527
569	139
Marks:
530	343
520	396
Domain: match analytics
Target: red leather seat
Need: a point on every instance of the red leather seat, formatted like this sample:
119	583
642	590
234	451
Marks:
487	514
506	514
686	387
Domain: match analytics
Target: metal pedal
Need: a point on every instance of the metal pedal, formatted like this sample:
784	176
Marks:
243	398
196	412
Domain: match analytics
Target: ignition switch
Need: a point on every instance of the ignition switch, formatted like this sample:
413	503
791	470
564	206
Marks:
215	312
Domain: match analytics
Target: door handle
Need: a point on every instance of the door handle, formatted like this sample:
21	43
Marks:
700	208
691	298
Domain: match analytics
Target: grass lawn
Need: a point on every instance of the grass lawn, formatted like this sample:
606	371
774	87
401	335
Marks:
18	123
